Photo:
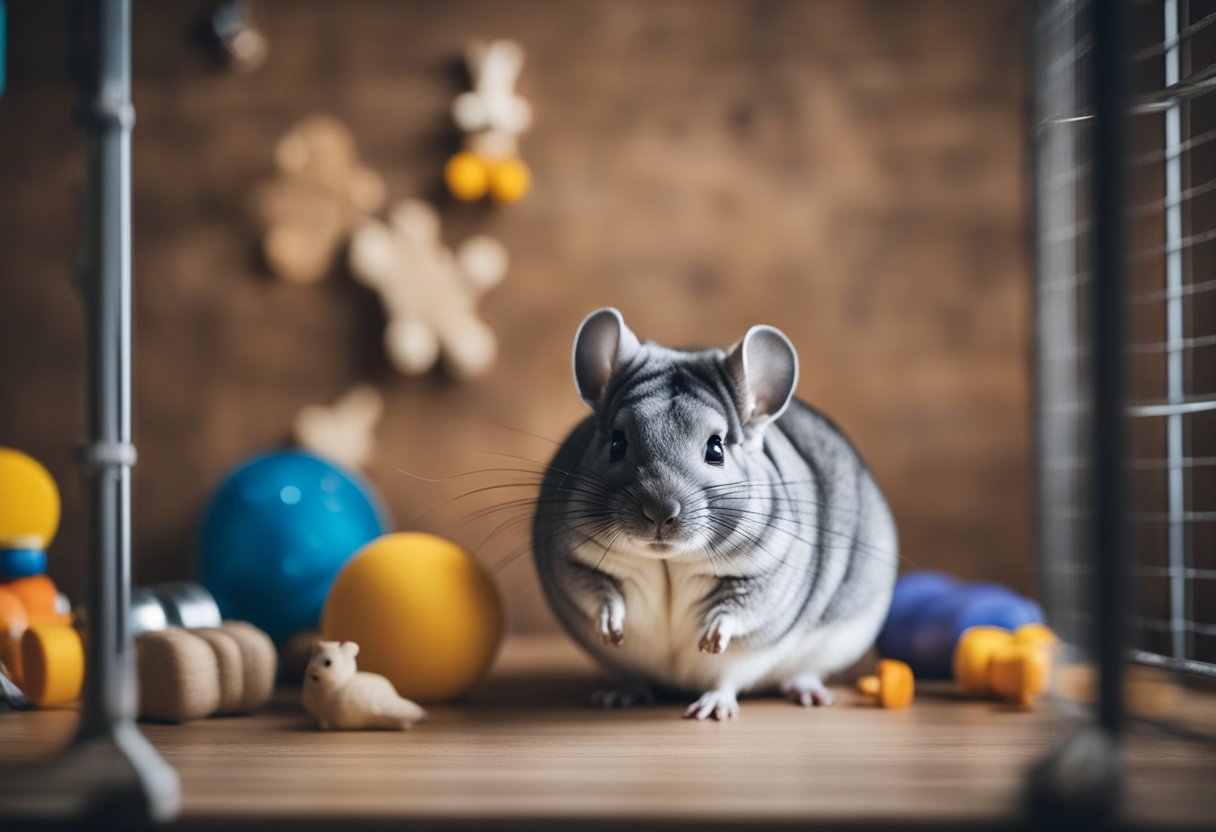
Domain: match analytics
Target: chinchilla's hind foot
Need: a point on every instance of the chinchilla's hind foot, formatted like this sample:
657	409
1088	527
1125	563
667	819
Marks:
623	695
807	689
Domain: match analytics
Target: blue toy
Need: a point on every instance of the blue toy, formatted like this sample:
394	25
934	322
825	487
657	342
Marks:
21	563
929	611
276	534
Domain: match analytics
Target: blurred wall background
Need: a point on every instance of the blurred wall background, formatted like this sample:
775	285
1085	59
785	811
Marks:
851	172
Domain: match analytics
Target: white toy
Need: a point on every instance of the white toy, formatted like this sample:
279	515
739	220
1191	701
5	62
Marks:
340	697
344	431
492	117
429	292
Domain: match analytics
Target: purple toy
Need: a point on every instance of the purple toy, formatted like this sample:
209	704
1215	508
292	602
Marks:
929	611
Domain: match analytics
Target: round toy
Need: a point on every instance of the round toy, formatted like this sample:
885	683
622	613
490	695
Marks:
29	501
467	176
38	594
509	181
277	532
423	612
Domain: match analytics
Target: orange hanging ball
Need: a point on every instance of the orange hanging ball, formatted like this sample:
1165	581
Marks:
424	613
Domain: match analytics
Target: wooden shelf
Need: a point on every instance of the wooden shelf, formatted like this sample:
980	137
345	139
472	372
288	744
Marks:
526	748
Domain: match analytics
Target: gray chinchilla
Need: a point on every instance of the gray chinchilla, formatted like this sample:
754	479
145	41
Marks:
703	531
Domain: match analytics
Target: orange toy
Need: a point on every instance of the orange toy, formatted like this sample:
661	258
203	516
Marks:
892	687
37	594
1015	666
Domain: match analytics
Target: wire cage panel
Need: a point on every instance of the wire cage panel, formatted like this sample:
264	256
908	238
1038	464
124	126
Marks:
1170	326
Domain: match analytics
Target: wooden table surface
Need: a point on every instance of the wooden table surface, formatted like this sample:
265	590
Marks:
526	748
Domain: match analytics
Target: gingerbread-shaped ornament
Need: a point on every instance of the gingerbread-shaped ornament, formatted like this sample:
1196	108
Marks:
317	196
429	292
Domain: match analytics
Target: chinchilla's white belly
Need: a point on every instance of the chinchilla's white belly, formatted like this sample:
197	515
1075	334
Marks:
664	622
664	609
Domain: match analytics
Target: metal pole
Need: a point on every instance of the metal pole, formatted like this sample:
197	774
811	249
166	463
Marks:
1081	783
110	771
107	116
1109	532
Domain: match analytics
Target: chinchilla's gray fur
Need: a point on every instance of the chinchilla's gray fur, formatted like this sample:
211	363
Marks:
769	570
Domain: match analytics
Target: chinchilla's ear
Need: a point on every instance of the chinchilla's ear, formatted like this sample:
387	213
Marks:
350	648
602	344
764	367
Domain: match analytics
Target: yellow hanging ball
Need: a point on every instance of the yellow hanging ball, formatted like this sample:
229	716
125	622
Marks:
29	501
509	180
423	612
467	176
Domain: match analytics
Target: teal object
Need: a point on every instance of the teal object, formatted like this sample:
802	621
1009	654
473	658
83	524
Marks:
3	45
277	532
21	563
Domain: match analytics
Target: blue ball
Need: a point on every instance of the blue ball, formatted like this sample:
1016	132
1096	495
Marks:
21	563
276	534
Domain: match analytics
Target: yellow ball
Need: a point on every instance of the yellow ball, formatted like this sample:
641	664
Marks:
423	612
29	501
467	176
509	180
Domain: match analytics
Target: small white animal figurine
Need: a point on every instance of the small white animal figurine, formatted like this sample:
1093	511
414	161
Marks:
344	431
340	697
429	292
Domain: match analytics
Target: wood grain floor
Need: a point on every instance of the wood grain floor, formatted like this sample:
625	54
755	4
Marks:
526	748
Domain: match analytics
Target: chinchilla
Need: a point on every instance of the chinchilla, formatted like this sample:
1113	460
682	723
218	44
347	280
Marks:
703	531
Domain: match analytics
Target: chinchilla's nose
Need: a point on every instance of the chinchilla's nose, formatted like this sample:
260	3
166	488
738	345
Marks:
664	512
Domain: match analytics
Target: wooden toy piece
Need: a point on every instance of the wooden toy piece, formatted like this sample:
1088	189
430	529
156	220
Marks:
492	117
344	431
429	292
339	696
892	687
317	196
52	664
1012	665
190	674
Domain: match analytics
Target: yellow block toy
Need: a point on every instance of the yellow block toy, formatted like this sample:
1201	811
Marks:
1015	666
423	612
29	500
52	664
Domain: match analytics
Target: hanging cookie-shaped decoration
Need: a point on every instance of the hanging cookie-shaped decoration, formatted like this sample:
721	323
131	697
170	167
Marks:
429	292
345	430
319	193
492	117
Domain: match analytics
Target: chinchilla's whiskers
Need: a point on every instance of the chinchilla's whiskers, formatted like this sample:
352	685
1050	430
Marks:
523	432
608	548
748	526
745	489
864	549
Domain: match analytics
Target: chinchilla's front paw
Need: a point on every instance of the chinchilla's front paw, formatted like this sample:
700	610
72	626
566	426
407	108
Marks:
611	629
716	636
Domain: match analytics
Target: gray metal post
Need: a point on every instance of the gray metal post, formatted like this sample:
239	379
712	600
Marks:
107	116
110	771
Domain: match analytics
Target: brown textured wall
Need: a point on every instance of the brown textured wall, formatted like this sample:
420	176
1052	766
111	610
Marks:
848	171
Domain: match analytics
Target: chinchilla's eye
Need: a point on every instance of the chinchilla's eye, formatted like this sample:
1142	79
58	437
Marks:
714	454
328	662
616	451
